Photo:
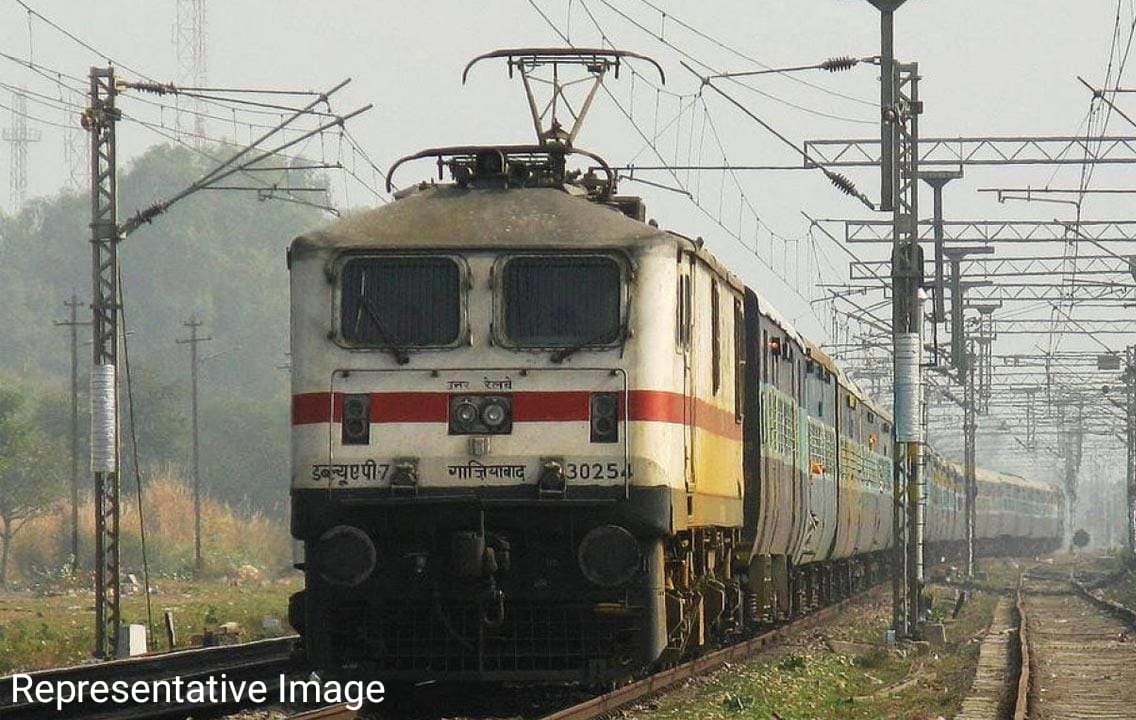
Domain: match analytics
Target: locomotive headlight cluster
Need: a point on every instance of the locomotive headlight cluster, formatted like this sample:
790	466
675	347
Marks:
604	416
481	415
356	419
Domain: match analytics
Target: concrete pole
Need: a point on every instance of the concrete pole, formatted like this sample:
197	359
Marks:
193	340
74	324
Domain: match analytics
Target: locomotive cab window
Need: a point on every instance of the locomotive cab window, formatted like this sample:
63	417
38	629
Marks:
562	301
399	302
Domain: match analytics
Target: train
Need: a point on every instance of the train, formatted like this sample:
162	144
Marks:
538	438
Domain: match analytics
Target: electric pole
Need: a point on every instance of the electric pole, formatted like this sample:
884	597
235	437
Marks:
19	136
193	340
73	304
99	120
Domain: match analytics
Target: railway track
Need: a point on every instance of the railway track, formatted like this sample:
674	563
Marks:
1076	657
245	662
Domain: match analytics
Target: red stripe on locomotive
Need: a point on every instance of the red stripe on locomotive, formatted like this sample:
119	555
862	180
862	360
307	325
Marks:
564	406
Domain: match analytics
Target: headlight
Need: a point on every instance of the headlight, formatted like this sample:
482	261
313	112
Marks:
465	414
609	556
344	556
493	414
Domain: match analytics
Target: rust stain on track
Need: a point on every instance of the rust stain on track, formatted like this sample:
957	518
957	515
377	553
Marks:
1083	662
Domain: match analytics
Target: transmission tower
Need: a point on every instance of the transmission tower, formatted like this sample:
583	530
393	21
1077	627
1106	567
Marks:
189	35
18	136
76	146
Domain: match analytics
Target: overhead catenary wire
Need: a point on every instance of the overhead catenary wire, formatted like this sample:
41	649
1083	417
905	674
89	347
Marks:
689	56
749	58
170	135
841	182
645	136
134	456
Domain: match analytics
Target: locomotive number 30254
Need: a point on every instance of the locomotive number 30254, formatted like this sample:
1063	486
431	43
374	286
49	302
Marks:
596	471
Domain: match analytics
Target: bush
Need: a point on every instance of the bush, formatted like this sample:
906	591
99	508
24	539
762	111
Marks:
230	538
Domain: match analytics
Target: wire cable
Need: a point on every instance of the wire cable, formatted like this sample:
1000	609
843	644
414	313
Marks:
134	455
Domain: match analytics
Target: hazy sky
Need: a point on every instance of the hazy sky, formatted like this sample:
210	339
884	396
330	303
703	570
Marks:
989	68
1000	68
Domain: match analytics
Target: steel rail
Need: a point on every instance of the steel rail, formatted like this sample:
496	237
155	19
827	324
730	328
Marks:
610	702
1117	610
1021	697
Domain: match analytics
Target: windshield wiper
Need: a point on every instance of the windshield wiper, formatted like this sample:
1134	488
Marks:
399	354
561	355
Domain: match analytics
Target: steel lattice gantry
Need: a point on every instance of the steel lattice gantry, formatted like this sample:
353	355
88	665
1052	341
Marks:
1011	150
1002	231
979	268
99	119
1081	291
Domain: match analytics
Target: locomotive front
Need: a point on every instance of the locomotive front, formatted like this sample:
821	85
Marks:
478	482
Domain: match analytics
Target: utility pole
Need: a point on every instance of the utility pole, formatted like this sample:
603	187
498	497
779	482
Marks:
73	304
193	340
99	120
19	136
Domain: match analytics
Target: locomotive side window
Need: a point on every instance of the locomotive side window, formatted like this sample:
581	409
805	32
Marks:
715	338
739	361
683	315
397	302
562	301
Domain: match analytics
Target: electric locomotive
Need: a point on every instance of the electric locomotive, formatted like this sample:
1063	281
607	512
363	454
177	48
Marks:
536	437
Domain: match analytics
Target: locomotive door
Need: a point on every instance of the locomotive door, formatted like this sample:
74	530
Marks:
686	274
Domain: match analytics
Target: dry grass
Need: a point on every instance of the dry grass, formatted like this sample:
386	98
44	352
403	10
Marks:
805	679
230	538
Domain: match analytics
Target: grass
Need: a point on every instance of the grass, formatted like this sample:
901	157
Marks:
47	616
39	631
806	680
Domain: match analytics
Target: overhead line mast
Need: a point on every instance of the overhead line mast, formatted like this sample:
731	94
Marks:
100	119
900	108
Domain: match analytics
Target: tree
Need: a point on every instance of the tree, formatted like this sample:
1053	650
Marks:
30	481
217	255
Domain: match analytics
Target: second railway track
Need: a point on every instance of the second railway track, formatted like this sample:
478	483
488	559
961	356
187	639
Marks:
1078	656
